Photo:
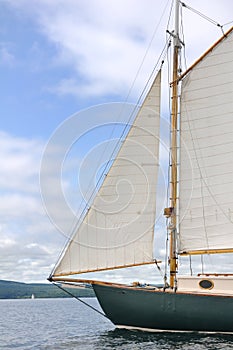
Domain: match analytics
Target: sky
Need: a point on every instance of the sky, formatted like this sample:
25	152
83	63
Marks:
63	58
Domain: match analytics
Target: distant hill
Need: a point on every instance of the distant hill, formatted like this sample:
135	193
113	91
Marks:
18	290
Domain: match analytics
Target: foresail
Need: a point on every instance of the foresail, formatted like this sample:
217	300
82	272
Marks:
206	156
118	229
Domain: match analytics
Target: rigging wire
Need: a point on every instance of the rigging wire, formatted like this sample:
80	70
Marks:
170	14
202	264
226	24
169	53
82	301
207	18
178	141
201	14
183	40
159	268
166	253
190	265
146	53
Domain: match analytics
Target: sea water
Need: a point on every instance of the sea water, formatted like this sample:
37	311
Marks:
54	324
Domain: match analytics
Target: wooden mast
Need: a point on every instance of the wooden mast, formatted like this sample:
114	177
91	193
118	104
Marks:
173	191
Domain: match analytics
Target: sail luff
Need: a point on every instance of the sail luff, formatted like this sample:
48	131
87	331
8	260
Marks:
118	229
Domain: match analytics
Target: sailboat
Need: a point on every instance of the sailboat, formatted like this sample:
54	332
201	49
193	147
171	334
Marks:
117	230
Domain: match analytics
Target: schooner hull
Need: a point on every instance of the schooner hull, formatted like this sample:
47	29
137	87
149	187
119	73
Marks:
140	308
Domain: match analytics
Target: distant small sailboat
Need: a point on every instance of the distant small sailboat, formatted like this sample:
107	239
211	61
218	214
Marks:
118	229
32	296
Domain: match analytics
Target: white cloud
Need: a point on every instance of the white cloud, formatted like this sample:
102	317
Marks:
29	244
104	42
19	163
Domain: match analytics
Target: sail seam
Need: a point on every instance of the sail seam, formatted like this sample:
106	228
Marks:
217	94
213	125
208	166
211	146
216	155
213	106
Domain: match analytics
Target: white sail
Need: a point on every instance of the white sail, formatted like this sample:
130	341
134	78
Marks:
118	229
206	157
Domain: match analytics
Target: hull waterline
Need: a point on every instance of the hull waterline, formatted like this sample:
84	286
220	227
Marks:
140	308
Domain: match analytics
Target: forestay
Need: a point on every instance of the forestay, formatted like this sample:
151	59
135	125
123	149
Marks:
118	229
206	170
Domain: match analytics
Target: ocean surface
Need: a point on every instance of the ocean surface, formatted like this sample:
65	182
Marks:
54	324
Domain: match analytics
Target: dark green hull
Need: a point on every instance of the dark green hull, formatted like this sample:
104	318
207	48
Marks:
158	310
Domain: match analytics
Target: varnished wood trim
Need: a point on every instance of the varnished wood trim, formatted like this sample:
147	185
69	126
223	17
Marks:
125	286
209	251
105	269
215	274
81	280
